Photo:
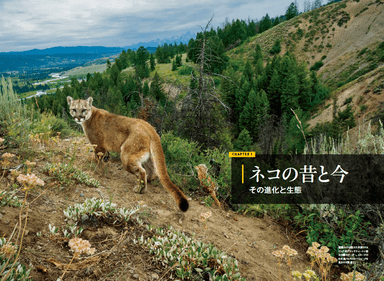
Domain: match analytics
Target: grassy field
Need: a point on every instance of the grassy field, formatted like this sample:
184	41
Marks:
78	71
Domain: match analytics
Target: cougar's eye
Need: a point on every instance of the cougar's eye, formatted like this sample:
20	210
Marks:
84	110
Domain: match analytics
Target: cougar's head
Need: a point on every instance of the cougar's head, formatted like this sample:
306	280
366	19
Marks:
80	110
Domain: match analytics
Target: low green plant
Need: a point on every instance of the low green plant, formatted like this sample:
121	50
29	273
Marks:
67	174
276	211
94	209
363	107
188	257
9	198
208	201
333	228
185	70
98	207
8	253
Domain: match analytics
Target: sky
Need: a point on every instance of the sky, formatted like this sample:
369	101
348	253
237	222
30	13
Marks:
40	24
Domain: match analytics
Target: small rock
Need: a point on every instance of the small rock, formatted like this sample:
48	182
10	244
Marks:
1	216
136	276
84	217
154	276
3	212
6	221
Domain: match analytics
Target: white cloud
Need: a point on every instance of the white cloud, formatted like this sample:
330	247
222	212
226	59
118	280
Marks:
27	24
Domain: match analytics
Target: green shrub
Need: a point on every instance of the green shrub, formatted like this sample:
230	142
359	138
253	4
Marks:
317	65
185	70
299	33
13	116
363	107
182	156
362	52
348	100
68	174
344	228
276	48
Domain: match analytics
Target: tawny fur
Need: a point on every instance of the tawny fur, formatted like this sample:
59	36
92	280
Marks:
206	181
137	142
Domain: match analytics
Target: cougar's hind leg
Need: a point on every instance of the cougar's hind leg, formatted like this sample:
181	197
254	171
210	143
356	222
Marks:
133	154
106	157
150	169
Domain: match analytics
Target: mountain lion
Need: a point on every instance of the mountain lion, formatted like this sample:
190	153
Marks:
136	140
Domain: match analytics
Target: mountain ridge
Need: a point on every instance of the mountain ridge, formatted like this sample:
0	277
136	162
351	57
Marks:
184	38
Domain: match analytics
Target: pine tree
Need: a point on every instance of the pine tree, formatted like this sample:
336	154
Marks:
251	28
316	4
229	88
274	93
145	89
141	67
265	24
152	62
174	67
248	72
276	21
255	110
114	74
156	89
244	141
290	94
292	11
192	52
178	61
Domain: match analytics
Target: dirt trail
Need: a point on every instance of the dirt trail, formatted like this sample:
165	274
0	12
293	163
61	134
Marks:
248	239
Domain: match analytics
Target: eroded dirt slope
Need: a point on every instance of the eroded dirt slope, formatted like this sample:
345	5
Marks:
248	239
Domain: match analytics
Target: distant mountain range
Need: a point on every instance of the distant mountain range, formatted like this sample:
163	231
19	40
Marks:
104	50
159	42
68	50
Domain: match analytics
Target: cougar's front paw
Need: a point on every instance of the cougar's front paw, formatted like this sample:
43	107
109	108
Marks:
140	188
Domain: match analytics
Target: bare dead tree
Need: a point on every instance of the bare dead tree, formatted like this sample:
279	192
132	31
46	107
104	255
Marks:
201	107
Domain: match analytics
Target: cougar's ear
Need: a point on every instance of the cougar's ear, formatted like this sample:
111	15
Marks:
69	100
90	100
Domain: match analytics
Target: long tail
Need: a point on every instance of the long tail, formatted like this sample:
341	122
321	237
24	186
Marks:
161	170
